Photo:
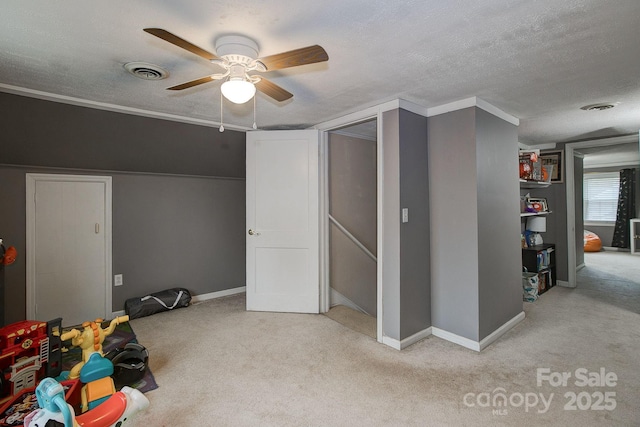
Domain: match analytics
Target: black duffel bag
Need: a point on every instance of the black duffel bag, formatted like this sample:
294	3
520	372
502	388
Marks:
157	302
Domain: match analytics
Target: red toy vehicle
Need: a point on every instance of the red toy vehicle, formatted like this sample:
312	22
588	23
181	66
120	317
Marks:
29	351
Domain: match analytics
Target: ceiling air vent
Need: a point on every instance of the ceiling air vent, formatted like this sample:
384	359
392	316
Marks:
598	107
146	71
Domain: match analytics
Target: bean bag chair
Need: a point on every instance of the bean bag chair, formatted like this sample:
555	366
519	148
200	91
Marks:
592	242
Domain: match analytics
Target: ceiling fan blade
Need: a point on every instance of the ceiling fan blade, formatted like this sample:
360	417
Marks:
293	58
173	39
193	83
273	90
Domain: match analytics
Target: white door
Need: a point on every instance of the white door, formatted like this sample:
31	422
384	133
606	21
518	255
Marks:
68	248
282	221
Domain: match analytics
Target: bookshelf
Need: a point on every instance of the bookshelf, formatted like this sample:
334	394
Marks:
541	259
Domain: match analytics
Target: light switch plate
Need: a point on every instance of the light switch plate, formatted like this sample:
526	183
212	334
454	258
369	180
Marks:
405	215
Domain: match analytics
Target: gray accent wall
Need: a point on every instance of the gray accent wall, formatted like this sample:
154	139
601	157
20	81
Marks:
406	269
415	251
52	134
475	223
499	253
178	194
454	222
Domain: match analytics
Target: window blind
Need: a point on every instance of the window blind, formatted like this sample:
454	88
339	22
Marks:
601	196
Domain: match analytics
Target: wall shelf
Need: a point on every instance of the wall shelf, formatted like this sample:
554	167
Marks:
533	184
526	214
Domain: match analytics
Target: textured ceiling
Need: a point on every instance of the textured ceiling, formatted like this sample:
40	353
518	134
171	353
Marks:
539	60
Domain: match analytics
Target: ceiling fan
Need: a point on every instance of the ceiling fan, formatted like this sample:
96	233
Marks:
238	56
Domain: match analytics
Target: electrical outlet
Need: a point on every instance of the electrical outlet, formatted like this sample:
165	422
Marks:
117	280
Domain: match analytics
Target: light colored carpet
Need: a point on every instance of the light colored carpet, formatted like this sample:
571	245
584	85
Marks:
218	365
354	320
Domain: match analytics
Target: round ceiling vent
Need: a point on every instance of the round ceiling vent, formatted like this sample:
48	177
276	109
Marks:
146	71
598	107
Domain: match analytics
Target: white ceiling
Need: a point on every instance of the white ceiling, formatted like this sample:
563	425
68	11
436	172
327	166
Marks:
539	60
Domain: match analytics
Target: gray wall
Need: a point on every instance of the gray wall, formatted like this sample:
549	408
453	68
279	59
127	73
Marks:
170	212
406	246
353	203
415	269
454	222
476	261
391	224
499	254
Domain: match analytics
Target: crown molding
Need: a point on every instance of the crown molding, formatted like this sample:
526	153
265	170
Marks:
48	96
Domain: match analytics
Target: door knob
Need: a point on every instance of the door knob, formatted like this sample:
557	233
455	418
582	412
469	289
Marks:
253	233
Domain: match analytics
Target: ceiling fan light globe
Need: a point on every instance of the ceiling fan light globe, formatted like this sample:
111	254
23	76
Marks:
238	91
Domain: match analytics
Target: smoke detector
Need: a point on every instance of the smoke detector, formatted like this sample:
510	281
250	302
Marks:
598	107
146	71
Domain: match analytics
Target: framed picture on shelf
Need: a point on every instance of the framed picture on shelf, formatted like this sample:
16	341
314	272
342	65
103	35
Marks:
538	204
554	159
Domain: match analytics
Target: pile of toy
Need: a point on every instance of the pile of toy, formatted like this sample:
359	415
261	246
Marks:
34	391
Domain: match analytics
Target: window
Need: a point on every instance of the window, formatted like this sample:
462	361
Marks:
601	196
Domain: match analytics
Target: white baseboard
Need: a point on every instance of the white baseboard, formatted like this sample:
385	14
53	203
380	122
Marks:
456	339
501	330
475	345
200	298
563	283
399	345
219	294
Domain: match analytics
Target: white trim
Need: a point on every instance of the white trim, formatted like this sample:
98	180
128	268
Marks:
115	172
195	299
411	107
368	113
475	345
323	238
31	179
400	345
501	330
549	146
599	165
47	96
391	342
472	102
351	119
218	294
456	339
569	149
564	284
380	230
353	135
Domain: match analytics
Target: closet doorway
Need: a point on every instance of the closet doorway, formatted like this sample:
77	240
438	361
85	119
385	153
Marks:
352	225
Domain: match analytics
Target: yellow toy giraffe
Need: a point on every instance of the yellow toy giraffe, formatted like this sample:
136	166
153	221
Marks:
90	340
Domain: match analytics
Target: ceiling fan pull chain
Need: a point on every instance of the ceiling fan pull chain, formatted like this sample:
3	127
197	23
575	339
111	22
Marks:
221	114
254	113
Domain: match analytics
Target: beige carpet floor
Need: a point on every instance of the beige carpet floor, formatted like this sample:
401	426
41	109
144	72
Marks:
218	365
354	320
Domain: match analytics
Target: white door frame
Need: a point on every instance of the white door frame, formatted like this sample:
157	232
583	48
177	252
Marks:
31	180
352	119
569	150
